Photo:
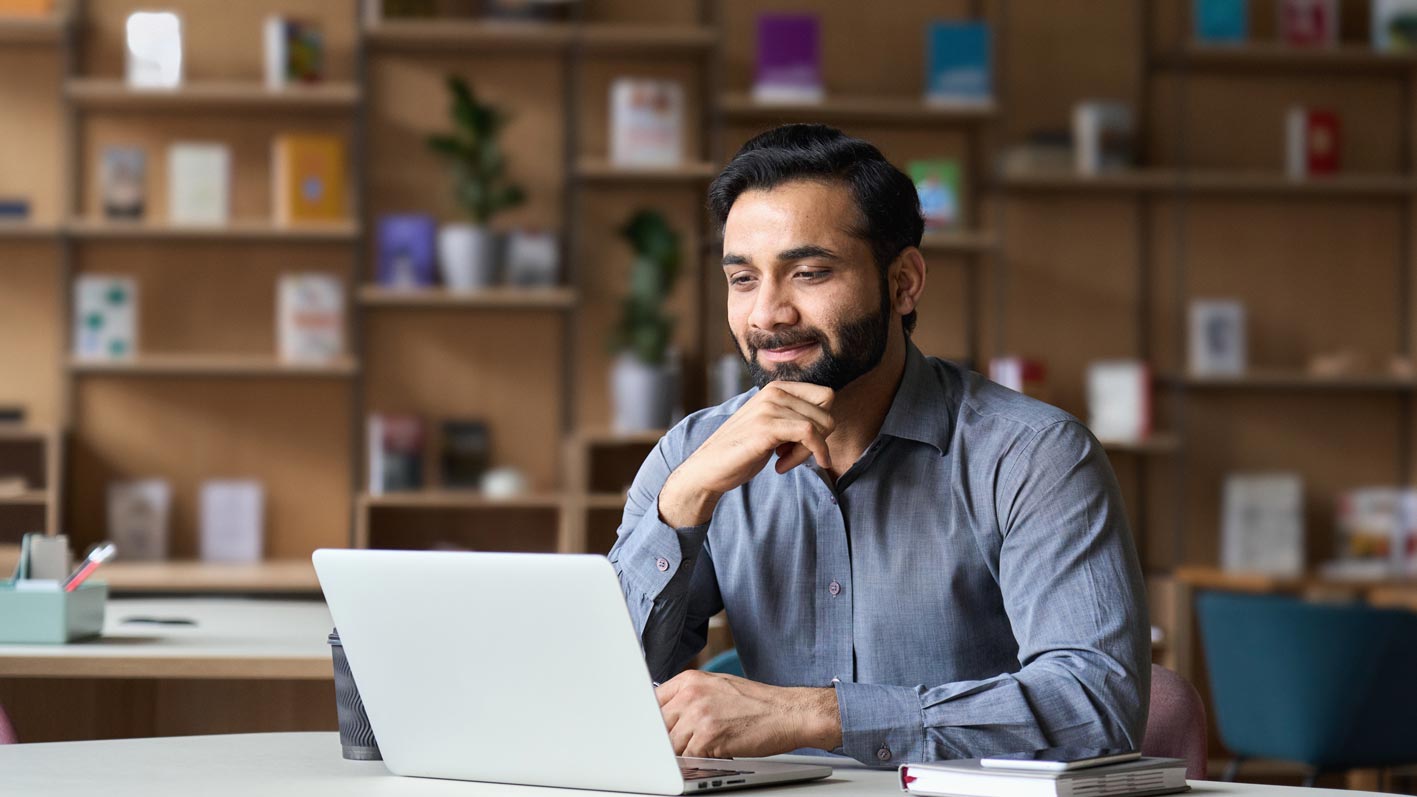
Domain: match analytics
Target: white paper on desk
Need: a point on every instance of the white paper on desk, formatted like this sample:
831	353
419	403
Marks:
232	520
49	557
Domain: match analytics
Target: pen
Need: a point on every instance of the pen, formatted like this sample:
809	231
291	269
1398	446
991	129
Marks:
97	555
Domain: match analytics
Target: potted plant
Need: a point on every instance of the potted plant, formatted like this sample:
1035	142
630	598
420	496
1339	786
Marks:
643	383
467	252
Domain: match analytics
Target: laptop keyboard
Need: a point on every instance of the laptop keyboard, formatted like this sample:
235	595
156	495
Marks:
697	773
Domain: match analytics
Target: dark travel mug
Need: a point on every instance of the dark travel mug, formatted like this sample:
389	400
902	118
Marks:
356	738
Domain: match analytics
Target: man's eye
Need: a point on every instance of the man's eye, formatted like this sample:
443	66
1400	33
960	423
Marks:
811	276
742	279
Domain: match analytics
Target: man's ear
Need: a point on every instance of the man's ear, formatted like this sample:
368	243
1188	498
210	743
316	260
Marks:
907	280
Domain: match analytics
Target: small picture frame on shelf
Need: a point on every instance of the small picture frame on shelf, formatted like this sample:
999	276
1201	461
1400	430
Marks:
1217	337
532	259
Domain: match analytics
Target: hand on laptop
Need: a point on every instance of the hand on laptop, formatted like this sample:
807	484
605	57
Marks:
792	418
710	715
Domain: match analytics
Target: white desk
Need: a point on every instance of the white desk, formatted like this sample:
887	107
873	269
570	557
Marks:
246	666
309	765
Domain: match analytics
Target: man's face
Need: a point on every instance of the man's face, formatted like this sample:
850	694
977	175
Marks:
806	302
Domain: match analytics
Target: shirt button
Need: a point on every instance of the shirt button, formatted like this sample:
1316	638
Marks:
883	754
834	588
662	564
836	680
833	500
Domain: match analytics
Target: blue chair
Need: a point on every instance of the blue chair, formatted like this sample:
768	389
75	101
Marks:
1331	686
726	662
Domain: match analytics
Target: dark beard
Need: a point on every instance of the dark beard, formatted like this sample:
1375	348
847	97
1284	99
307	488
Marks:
862	346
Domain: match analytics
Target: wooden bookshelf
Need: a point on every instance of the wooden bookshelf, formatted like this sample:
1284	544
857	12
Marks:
278	576
1295	381
605	39
48	30
861	109
551	298
1237	183
459	499
211	365
1345	59
1134	181
103	93
27	498
467	35
1155	445
614	501
603	171
238	230
961	242
27	230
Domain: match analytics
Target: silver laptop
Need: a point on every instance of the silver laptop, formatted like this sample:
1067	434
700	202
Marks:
512	668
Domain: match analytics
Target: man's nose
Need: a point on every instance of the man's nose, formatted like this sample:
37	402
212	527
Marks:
772	307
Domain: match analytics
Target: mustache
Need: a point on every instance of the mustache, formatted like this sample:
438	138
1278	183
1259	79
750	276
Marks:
785	339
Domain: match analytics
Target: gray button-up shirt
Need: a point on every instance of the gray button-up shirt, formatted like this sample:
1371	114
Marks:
968	587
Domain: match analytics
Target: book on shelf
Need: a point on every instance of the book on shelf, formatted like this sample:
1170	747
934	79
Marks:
295	52
233	512
968	778
123	182
532	258
1308	23
26	8
1312	141
198	183
1217	344
310	318
1377	533
1119	400
1026	375
406	245
13	209
937	182
138	512
1103	137
789	66
1262	523
1394	25
154	50
466	451
1220	21
395	453
646	122
105	317
309	178
958	66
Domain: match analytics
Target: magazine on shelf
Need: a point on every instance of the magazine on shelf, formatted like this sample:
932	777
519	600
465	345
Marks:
646	122
789	59
198	183
958	67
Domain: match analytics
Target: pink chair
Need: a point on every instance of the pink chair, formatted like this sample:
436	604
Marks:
1175	726
7	731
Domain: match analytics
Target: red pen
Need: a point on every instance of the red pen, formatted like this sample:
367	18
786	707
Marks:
97	555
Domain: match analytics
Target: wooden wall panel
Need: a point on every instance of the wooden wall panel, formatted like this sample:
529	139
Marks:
31	161
31	308
197	298
502	367
221	41
409	100
292	434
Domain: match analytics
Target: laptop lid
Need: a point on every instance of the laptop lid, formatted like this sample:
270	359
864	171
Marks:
508	668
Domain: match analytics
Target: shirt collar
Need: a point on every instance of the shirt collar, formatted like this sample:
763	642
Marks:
922	408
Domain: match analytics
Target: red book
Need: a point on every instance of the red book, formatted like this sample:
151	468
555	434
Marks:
1322	141
1308	23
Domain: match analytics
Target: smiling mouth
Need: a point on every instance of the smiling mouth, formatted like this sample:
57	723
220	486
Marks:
787	353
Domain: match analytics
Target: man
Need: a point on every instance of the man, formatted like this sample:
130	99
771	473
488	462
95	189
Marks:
916	563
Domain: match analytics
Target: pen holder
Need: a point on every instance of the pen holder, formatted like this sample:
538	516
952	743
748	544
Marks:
356	738
42	613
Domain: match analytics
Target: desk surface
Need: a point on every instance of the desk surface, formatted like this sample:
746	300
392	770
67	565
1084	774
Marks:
309	765
232	638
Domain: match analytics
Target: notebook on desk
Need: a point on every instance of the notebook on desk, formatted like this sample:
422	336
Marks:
512	668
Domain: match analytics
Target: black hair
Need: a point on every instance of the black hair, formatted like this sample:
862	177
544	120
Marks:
889	207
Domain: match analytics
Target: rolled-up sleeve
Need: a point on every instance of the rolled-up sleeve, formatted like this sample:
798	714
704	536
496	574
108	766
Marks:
1073	592
666	573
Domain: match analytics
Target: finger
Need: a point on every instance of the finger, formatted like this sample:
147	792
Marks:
816	394
679	737
790	455
803	431
666	691
799	406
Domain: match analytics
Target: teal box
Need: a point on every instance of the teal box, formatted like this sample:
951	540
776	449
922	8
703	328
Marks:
51	617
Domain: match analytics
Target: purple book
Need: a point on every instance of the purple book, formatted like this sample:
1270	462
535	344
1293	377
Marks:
406	247
789	60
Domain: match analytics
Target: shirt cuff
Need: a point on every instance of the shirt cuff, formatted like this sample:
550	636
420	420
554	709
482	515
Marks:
655	552
881	725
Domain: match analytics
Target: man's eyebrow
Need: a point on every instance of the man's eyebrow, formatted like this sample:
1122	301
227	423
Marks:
809	251
736	260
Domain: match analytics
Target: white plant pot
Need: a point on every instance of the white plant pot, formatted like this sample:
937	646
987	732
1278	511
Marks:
467	257
642	395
